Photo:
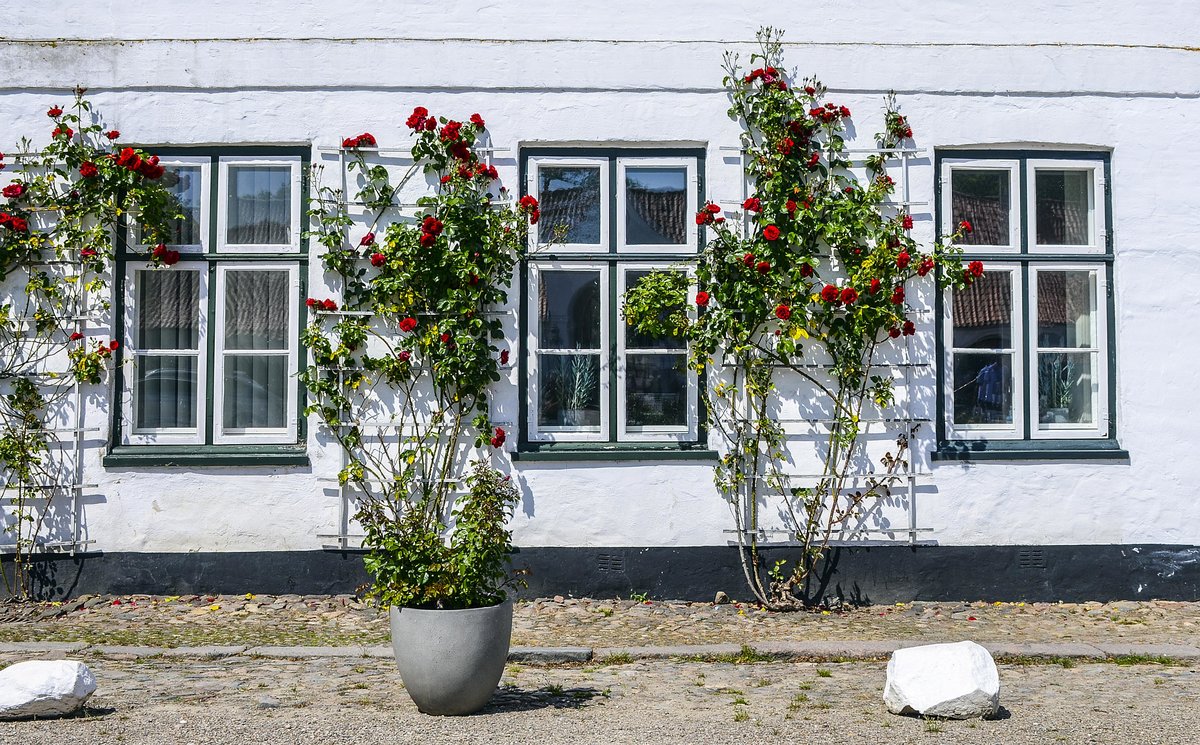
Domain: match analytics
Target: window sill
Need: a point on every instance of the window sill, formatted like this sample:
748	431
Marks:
593	452
206	455
1043	450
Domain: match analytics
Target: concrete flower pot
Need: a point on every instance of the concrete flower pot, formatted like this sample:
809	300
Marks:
451	660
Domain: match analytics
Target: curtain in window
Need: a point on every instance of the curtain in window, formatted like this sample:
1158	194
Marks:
256	351
260	205
168	319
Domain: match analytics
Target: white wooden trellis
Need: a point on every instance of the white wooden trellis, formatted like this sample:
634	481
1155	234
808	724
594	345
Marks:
782	536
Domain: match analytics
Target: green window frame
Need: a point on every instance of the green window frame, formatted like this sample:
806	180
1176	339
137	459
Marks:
245	245
584	272
1026	356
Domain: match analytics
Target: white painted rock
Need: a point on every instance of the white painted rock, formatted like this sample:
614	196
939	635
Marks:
955	681
44	688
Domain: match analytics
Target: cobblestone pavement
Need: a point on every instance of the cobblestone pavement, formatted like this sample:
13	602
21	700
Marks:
247	700
343	620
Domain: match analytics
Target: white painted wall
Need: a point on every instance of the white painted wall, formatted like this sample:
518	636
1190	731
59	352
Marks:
1022	73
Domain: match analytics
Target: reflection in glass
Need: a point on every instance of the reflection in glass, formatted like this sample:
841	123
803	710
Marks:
185	182
1065	303
569	196
165	392
168	309
634	339
983	313
983	388
1064	213
982	198
569	310
655	206
256	390
569	390
1065	388
656	390
256	310
260	205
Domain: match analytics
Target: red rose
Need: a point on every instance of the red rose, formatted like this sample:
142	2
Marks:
702	298
534	217
114	344
874	286
113	134
845	113
404	355
806	270
925	267
19	224
785	145
898	296
763	267
431	225
416	120
702	217
54	112
88	169
445	338
829	294
65	131
428	239
477	120
378	259
810	90
328	304
790	207
965	226
461	151
170	258
367	240
909	328
907	222
87	253
76	336
528	203
812	162
430	124
902	259
975	268
503	356
771	233
408	324
893	332
849	295
312	302
753	204
449	133
13	190
783	312
713	208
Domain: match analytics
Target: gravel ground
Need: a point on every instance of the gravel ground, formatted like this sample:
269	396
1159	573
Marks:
243	700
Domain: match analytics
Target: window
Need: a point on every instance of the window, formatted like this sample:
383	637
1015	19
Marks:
211	344
1028	348
608	219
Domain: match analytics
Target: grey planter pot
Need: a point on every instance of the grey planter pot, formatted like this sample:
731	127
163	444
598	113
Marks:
451	660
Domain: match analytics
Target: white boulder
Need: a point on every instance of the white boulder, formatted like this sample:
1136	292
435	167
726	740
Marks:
44	688
955	681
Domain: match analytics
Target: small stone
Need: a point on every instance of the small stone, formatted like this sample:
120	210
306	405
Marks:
558	599
42	688
267	702
955	681
721	598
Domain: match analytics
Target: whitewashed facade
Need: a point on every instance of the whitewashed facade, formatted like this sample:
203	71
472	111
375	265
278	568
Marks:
1121	82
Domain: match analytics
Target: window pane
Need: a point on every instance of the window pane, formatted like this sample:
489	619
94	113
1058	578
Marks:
570	196
983	389
256	310
983	313
656	390
569	310
260	205
1065	305
656	206
636	340
165	392
186	183
569	390
256	391
1065	388
1064	215
168	309
982	197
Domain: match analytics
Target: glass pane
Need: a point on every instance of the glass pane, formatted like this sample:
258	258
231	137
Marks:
165	392
1065	388
256	391
569	310
186	183
569	390
1065	305
982	198
260	205
168	309
636	340
570	196
256	310
1064	213
656	206
983	389
656	390
983	313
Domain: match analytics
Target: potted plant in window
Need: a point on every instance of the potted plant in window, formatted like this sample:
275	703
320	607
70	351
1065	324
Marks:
400	375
